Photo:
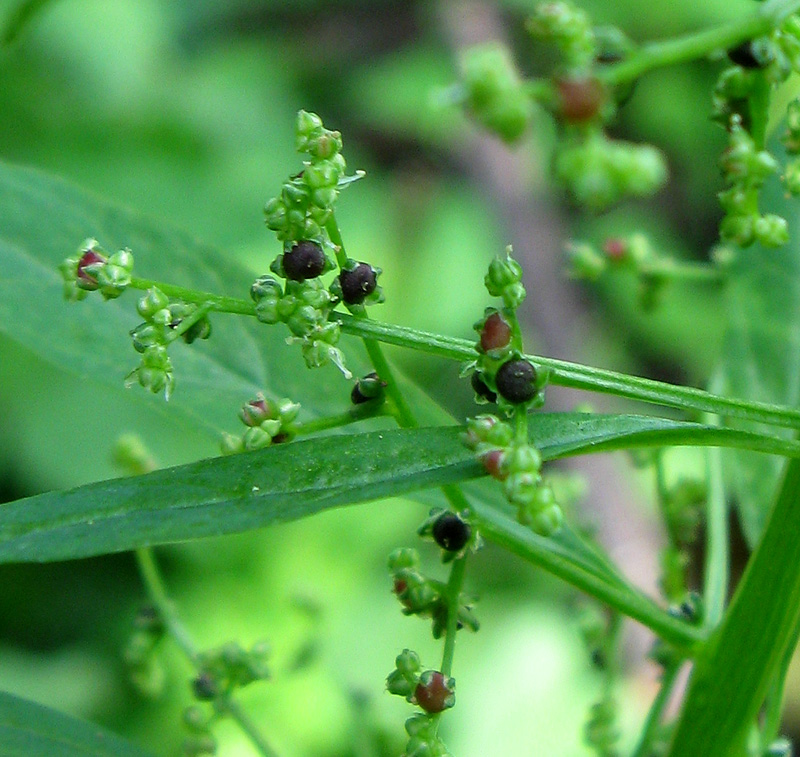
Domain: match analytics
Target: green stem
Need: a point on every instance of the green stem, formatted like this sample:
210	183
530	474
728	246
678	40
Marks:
500	529
699	44
453	596
745	654
372	409
215	301
653	721
578	376
403	412
197	315
156	592
675	270
717	561
563	373
154	586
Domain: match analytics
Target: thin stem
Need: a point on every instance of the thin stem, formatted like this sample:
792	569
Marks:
578	376
563	373
372	409
497	527
403	412
453	596
195	317
717	562
699	44
653	721
156	592
676	270
215	301
154	586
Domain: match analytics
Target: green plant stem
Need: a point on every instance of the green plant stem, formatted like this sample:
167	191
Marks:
699	44
717	560
507	533
453	596
217	302
154	586
653	721
563	373
199	313
677	270
578	376
371	409
756	636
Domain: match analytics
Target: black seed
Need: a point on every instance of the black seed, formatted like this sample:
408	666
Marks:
358	283
480	388
205	686
305	260
368	388
516	381
450	532
743	55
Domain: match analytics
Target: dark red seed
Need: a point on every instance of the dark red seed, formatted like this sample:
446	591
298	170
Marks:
85	279
496	333
580	100
433	695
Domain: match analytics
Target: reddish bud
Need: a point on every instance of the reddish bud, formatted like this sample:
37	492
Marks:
434	692
85	279
580	100
493	463
496	333
616	249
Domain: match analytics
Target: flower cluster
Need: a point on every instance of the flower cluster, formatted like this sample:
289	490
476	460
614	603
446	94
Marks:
300	217
518	465
145	670
425	597
268	422
745	169
164	322
92	269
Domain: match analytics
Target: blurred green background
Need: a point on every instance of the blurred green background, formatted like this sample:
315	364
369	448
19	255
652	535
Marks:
184	110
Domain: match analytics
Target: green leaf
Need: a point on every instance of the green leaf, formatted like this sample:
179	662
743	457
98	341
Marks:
30	730
761	360
287	482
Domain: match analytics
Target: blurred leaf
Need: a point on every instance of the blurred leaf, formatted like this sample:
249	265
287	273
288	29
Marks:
761	359
30	730
287	482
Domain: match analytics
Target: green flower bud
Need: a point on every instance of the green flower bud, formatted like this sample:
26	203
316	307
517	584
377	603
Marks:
399	685
146	335
200	744
408	662
738	229
152	301
370	387
322	175
568	27
523	458
584	261
771	230
503	274
403	557
155	371
275	214
791	176
495	95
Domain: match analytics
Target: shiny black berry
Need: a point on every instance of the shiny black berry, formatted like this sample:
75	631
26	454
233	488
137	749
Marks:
480	388
450	532
358	283
516	381
305	260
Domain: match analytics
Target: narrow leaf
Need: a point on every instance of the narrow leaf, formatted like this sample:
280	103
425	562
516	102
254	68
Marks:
287	482
30	730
